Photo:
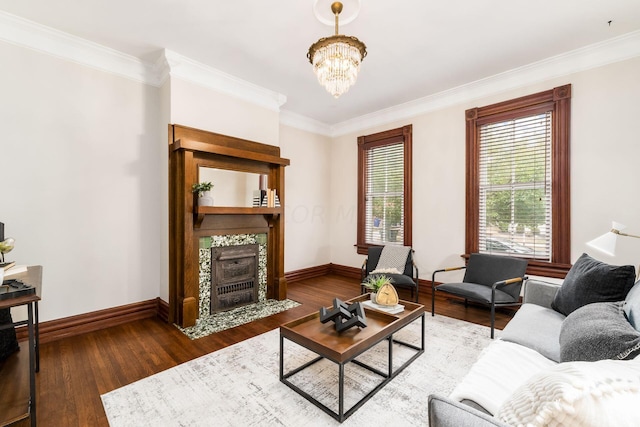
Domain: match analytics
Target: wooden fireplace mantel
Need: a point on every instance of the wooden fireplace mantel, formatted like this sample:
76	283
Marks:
190	149
201	211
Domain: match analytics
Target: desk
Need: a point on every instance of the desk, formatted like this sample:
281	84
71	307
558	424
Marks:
18	402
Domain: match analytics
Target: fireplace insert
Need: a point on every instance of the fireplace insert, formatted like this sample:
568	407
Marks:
234	276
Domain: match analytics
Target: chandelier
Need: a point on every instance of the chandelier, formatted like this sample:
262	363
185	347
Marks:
336	59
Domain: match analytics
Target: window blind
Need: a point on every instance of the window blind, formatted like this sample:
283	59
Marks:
515	187
384	211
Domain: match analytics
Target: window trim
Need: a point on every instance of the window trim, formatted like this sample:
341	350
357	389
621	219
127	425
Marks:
399	135
559	99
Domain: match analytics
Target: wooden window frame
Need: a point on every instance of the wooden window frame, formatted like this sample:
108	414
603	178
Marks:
400	135
559	101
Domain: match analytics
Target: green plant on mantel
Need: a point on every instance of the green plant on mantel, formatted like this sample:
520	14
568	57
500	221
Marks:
201	187
376	281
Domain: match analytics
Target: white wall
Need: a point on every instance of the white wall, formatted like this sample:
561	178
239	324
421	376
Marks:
80	181
307	209
163	184
202	108
604	172
604	158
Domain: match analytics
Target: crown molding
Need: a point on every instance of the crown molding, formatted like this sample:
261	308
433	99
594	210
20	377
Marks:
176	65
298	121
596	55
25	33
21	32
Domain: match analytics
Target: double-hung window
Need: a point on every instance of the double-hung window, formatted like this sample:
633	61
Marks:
518	180
384	188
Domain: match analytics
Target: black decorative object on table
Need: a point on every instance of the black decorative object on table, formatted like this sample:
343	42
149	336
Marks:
15	288
344	316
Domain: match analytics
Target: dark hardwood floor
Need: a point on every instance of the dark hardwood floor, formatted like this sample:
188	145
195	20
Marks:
75	371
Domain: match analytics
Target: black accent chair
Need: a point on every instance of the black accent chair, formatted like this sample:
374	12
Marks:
408	279
488	279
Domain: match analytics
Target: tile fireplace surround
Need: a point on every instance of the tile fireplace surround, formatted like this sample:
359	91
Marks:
206	243
208	323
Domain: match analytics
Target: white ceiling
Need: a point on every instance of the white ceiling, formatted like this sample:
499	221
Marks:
416	48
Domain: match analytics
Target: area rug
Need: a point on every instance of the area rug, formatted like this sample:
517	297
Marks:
239	385
212	323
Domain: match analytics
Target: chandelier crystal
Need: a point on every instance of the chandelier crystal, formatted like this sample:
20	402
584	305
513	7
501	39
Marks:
336	59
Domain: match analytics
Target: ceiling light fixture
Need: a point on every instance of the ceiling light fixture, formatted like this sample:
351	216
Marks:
336	59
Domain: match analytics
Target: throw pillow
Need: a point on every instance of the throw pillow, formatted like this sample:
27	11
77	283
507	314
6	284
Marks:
580	394
590	280
632	306
598	331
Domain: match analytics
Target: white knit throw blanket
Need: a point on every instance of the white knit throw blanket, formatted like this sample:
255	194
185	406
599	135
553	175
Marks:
392	259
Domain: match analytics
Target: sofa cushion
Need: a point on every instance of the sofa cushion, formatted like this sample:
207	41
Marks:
590	280
632	306
539	292
584	394
536	327
598	331
475	292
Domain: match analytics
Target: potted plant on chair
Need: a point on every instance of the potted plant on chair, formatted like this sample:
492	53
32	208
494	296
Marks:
203	190
374	282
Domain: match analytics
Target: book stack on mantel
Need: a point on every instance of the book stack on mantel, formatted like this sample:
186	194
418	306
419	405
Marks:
266	198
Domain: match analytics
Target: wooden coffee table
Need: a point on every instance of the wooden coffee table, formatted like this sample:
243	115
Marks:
342	348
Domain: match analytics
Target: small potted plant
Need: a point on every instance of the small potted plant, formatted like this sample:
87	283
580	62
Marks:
374	283
203	190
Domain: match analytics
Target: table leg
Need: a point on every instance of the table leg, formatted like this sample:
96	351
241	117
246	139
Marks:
281	357
37	337
390	353
32	365
341	392
422	340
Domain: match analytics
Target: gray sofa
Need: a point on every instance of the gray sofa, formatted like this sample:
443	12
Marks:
542	354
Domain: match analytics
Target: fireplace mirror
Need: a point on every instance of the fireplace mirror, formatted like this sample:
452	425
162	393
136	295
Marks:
230	188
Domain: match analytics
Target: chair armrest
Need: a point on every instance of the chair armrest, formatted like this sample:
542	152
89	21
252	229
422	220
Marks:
415	268
509	281
539	292
433	276
445	412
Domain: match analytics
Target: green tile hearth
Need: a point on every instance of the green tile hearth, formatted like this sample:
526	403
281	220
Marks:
210	324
